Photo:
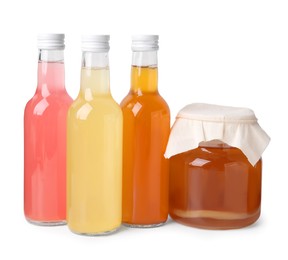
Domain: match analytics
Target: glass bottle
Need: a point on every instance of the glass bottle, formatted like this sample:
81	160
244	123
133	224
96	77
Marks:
146	121
94	163
45	137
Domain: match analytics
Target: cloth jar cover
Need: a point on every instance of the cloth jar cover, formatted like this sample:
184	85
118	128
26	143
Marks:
234	126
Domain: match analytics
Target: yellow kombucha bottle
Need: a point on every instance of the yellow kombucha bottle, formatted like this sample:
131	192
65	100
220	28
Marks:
94	147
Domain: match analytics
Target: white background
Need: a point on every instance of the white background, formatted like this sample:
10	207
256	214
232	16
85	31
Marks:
221	52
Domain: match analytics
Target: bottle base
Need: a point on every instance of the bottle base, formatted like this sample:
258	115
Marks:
47	223
143	225
95	234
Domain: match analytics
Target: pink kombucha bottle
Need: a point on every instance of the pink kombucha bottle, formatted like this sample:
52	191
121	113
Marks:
45	137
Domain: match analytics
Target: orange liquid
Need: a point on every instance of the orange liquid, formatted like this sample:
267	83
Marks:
215	188
146	124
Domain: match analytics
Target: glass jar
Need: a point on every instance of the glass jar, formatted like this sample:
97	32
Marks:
214	186
215	166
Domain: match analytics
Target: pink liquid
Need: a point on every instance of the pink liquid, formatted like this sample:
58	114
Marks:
45	147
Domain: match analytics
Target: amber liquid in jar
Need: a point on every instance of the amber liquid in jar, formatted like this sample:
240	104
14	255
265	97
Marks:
214	187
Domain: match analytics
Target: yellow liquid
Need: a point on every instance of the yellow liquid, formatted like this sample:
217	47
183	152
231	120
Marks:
94	157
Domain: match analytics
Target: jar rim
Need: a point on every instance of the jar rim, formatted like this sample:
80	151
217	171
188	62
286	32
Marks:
214	144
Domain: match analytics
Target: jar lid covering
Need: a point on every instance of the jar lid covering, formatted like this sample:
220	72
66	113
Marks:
237	127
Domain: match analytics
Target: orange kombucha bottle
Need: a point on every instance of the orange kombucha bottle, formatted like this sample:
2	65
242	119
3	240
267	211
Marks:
146	126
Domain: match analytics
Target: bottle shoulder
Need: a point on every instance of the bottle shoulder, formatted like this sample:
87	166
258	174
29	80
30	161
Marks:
97	106
147	101
95	102
40	105
61	96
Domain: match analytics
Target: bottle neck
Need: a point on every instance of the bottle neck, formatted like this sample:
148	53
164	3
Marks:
51	72
144	72
95	76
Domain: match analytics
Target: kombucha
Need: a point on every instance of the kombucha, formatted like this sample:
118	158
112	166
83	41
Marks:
94	158
45	138
215	188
